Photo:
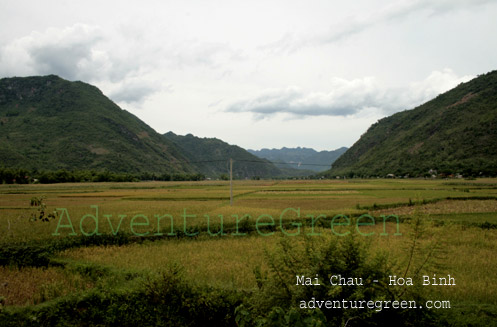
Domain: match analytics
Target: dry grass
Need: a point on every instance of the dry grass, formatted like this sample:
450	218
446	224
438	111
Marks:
25	286
468	254
226	262
445	207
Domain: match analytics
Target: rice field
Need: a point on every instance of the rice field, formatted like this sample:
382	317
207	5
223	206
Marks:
192	225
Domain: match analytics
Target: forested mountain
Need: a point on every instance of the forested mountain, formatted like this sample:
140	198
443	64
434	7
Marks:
48	123
210	156
455	133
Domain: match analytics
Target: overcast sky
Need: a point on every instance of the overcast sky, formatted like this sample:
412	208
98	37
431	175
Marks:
259	74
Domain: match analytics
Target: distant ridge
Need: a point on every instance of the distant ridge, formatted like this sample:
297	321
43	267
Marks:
210	157
48	123
312	159
455	133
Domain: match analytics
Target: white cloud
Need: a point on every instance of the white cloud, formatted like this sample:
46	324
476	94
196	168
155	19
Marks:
348	97
436	83
70	52
361	22
136	90
193	52
121	61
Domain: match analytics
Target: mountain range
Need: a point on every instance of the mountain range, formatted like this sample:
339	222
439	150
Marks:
209	156
300	158
48	124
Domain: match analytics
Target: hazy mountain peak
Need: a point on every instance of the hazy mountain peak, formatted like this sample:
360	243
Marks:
301	157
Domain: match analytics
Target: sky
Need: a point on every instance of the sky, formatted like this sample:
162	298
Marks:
258	74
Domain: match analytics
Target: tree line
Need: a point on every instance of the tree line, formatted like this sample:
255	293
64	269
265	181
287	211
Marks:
25	176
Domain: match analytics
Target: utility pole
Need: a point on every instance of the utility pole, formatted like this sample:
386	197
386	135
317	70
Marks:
231	182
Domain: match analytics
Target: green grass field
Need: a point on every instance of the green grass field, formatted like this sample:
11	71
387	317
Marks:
145	232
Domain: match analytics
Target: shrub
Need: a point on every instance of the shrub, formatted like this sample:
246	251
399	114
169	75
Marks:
278	299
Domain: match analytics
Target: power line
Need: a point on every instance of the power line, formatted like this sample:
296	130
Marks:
286	163
263	162
207	161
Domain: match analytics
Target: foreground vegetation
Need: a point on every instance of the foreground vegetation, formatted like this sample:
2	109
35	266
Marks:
227	269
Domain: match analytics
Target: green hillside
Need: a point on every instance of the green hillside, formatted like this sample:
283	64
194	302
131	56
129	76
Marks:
47	123
454	133
210	156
